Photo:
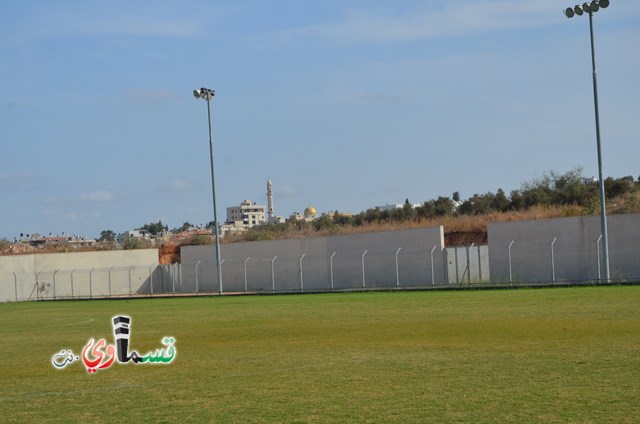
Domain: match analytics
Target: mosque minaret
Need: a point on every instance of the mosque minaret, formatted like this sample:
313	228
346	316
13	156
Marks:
271	216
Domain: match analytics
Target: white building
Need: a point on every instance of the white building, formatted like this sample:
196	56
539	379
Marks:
139	234
246	215
249	214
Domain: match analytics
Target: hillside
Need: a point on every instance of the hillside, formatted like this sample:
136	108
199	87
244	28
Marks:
458	230
553	196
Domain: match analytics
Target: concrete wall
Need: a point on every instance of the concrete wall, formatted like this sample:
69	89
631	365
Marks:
81	274
574	254
408	258
326	259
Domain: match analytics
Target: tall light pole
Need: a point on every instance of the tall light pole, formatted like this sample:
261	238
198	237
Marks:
570	12
206	94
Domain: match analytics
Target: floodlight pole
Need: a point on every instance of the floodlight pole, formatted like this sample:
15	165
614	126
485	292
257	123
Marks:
207	94
591	8
603	208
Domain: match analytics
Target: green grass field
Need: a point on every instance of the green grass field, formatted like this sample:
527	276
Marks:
527	355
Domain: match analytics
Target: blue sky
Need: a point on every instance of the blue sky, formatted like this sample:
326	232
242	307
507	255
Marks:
345	105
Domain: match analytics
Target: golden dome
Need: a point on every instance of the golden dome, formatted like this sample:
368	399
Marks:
310	211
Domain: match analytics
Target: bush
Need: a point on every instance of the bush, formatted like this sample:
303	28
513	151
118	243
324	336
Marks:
4	245
132	243
199	240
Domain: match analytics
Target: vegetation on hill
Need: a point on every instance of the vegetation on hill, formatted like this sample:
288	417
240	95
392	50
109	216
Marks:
551	196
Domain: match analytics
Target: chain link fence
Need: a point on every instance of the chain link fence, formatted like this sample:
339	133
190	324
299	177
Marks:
81	283
355	270
555	252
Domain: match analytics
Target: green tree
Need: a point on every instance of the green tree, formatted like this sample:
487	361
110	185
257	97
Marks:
467	207
479	204
372	215
185	226
570	189
539	191
107	236
618	187
154	228
342	220
358	220
323	223
427	210
443	206
556	189
517	202
131	243
408	213
500	202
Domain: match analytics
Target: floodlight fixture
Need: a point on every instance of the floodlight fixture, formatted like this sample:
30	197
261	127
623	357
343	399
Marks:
203	93
588	7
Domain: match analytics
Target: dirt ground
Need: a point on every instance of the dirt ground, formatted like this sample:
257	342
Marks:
464	238
168	253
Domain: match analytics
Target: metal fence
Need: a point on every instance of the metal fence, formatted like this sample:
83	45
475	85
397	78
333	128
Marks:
80	283
564	250
536	263
558	260
356	270
397	268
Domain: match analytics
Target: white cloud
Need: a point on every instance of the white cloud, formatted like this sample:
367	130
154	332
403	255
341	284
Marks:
18	180
180	185
71	216
287	191
103	20
454	18
137	27
96	196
